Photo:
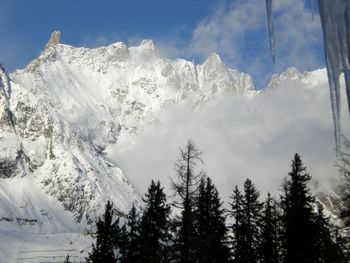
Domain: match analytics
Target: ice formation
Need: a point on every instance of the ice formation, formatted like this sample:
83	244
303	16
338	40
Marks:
271	28
335	19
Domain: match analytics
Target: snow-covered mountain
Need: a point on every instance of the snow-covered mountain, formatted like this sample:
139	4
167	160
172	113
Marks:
59	114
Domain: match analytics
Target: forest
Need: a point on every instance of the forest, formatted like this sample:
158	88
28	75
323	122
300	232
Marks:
196	227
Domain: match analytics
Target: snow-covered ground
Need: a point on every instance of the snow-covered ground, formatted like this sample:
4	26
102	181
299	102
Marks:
28	248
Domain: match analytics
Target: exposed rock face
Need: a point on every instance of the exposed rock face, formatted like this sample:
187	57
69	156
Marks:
54	39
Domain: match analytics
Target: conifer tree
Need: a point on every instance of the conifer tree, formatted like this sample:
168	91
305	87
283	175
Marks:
118	238
130	243
328	249
237	226
211	238
252	221
246	228
154	232
297	219
123	244
103	252
246	210
269	246
185	190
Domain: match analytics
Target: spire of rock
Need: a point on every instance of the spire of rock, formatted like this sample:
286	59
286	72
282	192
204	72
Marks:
54	39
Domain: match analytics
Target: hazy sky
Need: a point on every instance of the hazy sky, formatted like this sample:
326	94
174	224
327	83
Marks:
192	29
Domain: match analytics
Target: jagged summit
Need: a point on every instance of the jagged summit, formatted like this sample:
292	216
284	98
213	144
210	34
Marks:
54	39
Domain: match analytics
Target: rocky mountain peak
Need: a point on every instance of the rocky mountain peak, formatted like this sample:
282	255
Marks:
290	74
54	39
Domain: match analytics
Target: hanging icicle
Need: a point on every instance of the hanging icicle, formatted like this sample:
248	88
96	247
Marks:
312	9
335	19
271	28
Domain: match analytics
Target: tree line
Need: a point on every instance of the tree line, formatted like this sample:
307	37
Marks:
290	229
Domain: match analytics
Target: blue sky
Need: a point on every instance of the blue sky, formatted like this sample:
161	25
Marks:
190	29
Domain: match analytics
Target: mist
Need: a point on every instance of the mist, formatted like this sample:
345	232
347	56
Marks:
241	137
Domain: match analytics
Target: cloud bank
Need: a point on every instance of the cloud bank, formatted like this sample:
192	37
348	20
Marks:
242	138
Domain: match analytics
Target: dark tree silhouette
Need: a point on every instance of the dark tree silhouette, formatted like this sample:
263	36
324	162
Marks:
297	219
154	227
185	189
210	228
329	250
103	251
246	210
237	227
269	246
130	241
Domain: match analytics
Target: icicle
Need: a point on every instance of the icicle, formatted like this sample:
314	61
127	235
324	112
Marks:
312	9
335	19
271	28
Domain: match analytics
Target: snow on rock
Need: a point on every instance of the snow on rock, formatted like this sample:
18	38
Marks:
60	114
290	74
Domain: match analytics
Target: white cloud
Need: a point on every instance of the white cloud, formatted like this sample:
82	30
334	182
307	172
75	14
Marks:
226	31
242	138
238	32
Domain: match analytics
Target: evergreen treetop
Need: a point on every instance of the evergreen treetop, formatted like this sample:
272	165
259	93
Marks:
103	251
210	228
154	226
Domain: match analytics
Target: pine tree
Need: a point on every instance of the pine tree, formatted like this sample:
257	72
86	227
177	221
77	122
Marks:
252	221
185	190
118	238
269	245
328	250
103	252
130	238
210	228
154	232
237	227
246	228
123	244
297	219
